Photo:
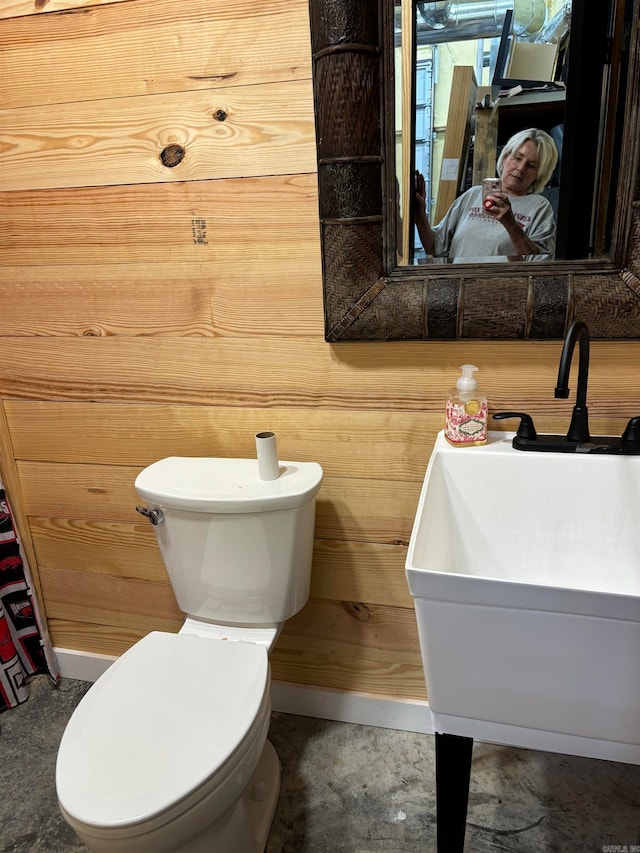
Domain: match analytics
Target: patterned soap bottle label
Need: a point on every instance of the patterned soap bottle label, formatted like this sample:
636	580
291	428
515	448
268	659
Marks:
466	423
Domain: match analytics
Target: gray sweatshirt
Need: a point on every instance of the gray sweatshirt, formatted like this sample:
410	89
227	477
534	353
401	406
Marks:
467	230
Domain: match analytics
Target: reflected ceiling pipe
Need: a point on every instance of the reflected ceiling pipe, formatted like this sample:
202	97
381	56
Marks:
458	20
557	29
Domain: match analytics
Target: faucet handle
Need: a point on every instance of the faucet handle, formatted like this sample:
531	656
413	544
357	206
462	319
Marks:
631	435
526	428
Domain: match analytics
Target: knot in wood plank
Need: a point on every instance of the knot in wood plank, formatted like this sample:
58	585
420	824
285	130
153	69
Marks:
172	155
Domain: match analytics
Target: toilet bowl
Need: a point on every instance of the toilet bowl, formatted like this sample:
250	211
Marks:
168	752
155	759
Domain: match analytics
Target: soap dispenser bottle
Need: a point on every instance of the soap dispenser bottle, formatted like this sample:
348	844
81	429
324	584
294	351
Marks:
466	411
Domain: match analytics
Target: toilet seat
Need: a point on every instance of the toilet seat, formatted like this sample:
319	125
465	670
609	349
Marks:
155	734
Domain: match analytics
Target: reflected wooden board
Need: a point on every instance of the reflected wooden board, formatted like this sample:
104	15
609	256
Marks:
456	143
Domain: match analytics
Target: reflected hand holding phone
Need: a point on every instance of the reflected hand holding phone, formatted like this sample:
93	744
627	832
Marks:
490	186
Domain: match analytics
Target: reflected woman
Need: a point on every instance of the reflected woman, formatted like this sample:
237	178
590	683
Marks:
515	220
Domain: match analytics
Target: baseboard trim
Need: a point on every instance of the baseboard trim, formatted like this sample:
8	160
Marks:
82	666
409	715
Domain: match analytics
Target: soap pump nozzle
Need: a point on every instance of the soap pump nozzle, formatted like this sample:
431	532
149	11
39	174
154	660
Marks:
467	382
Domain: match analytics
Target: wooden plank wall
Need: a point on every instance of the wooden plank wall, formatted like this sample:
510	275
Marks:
151	309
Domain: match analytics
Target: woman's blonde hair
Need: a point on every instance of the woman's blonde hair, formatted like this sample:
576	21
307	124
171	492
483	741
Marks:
547	154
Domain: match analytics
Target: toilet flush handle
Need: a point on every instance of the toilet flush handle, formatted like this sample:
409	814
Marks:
155	516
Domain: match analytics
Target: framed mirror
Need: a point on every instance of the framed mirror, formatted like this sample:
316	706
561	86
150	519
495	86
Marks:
369	294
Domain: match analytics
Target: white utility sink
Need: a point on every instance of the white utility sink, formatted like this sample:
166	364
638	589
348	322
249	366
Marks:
525	573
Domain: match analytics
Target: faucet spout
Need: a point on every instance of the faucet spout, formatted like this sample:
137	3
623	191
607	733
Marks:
579	426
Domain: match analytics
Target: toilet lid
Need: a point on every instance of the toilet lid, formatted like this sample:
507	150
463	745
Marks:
163	719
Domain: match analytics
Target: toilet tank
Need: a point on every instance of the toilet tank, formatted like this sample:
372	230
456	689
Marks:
237	549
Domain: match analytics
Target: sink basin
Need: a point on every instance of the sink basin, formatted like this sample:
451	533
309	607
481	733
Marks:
525	573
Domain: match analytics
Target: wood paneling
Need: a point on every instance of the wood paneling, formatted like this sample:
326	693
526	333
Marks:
198	299
374	445
19	8
100	547
215	222
242	131
306	374
368	649
150	47
148	311
108	600
361	510
92	492
96	639
360	572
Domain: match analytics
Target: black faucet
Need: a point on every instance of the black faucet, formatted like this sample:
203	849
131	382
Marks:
579	427
578	439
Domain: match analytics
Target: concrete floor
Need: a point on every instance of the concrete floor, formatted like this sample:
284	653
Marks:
352	789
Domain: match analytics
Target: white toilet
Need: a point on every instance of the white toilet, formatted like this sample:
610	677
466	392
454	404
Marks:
168	750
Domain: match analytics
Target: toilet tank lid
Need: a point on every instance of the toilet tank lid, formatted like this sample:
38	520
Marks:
209	484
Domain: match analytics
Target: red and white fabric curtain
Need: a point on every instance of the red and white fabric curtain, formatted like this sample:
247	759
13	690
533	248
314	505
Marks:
25	648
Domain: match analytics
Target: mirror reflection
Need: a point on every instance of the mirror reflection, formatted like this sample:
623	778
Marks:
481	90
